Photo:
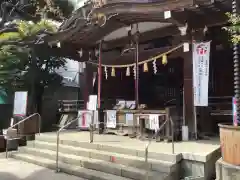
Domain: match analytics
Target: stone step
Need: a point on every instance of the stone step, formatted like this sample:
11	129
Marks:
95	164
128	160
174	158
67	168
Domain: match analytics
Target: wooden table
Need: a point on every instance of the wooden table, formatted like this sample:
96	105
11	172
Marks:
135	129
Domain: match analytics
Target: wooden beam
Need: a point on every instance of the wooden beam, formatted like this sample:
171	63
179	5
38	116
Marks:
157	33
205	17
224	6
145	8
66	33
178	18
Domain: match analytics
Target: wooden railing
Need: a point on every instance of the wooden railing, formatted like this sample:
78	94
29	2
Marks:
70	105
220	105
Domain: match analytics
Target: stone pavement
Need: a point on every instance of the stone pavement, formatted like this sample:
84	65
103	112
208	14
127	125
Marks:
11	169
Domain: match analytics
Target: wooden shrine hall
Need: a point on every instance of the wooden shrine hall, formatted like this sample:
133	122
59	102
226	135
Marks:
139	49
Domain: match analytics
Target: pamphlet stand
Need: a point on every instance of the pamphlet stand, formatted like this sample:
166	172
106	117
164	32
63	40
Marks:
2	143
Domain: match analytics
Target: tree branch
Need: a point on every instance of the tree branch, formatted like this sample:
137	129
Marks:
4	13
16	43
19	9
8	29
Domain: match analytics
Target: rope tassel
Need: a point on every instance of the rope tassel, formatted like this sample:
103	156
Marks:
113	74
154	67
134	72
145	67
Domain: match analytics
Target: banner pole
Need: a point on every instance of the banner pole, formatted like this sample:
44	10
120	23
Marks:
100	120
184	109
195	122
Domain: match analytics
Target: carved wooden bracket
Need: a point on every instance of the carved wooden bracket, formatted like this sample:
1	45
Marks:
183	29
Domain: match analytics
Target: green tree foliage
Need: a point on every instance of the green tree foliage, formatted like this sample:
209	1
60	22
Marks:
234	28
16	50
25	59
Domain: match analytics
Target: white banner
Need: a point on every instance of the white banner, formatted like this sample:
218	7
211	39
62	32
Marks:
154	122
92	103
111	118
85	119
201	55
20	103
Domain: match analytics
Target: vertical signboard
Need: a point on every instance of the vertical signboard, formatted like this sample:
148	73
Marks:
20	103
111	118
154	122
234	106
201	55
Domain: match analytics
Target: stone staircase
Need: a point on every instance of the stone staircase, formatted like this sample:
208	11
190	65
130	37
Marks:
99	162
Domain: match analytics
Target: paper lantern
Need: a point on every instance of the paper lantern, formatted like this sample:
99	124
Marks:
164	59
128	71
113	72
145	67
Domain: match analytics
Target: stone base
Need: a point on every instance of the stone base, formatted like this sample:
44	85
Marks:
194	167
225	171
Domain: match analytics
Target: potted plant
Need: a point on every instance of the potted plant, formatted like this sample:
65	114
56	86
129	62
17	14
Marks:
230	134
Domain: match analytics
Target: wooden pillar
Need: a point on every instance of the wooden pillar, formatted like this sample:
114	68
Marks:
188	91
100	109
87	83
188	106
86	80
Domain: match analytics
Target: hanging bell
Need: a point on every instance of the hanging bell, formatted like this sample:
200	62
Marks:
128	71
113	74
145	67
164	59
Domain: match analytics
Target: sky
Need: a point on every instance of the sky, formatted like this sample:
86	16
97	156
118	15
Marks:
70	71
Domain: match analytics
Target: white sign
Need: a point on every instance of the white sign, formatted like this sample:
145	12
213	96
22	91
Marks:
186	47
129	119
92	104
201	53
85	119
81	66
20	103
130	104
111	118
153	122
121	104
167	14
